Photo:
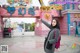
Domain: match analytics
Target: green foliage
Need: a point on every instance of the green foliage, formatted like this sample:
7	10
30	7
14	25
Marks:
32	26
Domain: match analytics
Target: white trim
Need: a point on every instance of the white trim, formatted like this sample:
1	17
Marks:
70	11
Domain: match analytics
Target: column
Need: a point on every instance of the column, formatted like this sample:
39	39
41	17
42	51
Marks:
68	22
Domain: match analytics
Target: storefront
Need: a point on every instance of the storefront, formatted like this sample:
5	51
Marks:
71	16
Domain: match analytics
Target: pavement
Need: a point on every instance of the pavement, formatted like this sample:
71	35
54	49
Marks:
34	44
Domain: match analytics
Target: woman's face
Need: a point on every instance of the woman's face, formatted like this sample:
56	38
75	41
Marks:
54	22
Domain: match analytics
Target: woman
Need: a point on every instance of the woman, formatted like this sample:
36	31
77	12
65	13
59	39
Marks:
52	41
9	30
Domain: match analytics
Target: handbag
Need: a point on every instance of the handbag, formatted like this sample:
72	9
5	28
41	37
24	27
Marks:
57	44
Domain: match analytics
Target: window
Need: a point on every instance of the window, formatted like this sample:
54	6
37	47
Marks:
73	5
68	6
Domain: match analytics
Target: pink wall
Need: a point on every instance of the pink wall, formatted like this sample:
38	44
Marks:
38	28
63	25
1	27
43	29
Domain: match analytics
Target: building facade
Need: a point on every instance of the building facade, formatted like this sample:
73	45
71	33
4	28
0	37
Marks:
71	13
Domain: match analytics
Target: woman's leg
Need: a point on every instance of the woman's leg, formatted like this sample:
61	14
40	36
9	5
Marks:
50	51
53	49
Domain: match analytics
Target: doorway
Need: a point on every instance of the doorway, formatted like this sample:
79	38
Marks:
20	26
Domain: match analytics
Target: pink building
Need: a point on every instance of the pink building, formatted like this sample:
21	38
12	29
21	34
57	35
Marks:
70	13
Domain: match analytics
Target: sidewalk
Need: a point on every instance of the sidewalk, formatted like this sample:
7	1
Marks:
66	44
34	44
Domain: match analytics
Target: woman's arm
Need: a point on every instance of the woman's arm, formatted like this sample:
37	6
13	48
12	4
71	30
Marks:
47	24
57	33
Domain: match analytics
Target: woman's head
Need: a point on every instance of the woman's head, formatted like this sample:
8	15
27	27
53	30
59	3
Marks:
55	23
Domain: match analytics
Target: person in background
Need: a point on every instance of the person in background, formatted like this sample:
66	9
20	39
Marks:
76	31
79	28
52	41
79	24
9	30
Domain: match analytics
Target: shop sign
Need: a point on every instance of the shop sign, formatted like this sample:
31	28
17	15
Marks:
48	8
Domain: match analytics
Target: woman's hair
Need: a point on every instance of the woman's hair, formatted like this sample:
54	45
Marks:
57	24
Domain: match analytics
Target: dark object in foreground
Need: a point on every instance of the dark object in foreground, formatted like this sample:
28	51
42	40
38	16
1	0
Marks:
6	33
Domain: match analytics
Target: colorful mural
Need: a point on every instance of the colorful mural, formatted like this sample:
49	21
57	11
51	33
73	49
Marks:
10	8
47	16
20	4
31	11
